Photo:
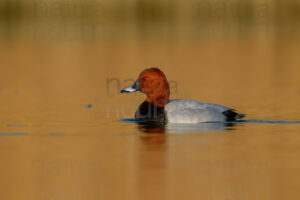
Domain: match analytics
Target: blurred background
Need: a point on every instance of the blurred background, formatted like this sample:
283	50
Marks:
63	63
211	50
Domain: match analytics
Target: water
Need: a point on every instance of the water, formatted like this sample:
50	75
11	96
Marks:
67	133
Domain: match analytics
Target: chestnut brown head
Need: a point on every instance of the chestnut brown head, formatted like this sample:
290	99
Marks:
154	84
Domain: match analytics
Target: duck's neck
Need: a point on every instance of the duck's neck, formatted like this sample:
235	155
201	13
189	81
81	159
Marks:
158	100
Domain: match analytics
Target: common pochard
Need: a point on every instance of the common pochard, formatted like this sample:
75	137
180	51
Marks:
157	106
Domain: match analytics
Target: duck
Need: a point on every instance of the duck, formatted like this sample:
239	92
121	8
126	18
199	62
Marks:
157	107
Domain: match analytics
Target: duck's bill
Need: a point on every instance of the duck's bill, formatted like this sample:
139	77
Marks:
135	87
129	89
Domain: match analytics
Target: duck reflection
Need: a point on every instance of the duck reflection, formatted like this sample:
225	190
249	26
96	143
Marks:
152	127
153	162
154	155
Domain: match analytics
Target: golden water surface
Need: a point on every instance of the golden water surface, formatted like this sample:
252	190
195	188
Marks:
62	137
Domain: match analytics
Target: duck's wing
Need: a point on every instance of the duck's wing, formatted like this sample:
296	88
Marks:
189	111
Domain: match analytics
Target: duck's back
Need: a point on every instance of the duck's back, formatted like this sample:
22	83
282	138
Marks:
189	111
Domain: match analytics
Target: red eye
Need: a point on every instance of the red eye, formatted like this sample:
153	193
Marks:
147	77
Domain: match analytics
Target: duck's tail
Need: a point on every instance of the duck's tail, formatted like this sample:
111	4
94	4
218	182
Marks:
239	116
231	115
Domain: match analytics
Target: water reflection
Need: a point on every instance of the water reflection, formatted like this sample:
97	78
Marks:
150	127
199	127
153	166
153	127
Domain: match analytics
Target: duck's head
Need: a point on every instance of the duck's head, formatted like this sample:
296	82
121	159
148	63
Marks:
154	84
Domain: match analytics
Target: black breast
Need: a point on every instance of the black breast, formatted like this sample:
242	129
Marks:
148	111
